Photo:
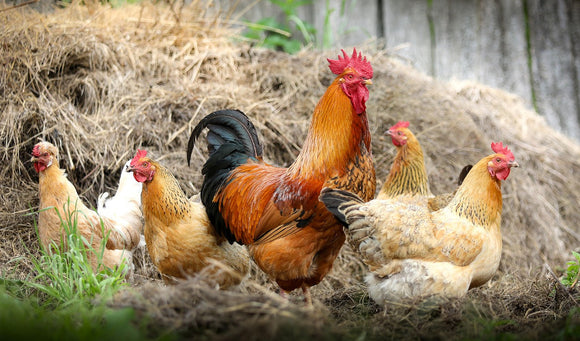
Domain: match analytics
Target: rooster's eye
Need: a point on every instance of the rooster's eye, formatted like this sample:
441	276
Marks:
399	133
349	76
145	164
498	160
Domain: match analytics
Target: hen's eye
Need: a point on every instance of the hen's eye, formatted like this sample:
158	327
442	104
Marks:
498	160
145	164
349	76
399	133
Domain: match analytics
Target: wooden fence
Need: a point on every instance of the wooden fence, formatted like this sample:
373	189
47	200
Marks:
528	47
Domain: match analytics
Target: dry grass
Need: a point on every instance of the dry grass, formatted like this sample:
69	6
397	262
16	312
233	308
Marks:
101	82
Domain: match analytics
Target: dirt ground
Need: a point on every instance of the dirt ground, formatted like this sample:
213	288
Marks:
100	83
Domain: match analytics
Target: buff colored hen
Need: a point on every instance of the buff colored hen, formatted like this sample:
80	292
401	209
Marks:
179	237
413	252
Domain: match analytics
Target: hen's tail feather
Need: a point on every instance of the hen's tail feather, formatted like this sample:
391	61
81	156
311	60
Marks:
339	202
226	126
101	200
463	174
360	234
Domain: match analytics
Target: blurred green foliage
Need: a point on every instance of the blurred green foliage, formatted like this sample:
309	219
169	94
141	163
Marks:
287	35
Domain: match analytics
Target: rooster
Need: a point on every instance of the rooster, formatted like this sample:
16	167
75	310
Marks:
178	235
60	200
413	252
408	175
125	206
292	237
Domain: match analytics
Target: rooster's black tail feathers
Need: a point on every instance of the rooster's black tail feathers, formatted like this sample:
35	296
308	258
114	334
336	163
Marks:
227	126
231	141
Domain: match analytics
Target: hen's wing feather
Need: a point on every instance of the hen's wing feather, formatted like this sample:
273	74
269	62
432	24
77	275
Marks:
411	231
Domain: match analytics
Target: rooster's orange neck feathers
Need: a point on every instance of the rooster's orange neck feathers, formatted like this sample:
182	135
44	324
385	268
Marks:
334	137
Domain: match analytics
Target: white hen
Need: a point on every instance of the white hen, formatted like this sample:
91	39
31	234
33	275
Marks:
125	207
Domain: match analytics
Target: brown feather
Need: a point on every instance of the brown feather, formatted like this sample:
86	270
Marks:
408	175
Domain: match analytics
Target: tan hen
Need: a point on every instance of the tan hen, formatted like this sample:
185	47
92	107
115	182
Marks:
413	252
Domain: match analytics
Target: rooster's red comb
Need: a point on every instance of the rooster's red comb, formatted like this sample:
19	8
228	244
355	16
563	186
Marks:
357	62
400	124
499	148
140	154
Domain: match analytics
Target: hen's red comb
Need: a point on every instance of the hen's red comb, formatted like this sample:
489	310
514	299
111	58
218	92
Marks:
140	154
499	148
36	151
357	62
400	124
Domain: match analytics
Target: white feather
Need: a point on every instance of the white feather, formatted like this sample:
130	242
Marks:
125	207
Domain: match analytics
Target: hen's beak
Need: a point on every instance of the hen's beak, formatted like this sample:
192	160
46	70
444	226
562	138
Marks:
368	82
513	164
129	168
34	159
389	132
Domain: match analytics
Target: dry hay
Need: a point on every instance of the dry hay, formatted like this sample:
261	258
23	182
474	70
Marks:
101	82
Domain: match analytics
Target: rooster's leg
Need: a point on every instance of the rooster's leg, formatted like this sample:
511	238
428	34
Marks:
307	295
283	293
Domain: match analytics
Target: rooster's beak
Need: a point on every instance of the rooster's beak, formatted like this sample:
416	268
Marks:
129	169
368	81
513	164
34	159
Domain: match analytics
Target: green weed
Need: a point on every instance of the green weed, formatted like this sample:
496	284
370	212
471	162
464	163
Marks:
65	299
571	328
571	274
64	274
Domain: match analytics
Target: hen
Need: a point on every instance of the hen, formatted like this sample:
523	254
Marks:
59	198
412	252
125	206
408	175
292	237
178	235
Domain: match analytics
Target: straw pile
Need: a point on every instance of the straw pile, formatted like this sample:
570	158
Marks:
101	82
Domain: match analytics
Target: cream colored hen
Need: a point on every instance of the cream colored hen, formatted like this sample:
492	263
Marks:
413	252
